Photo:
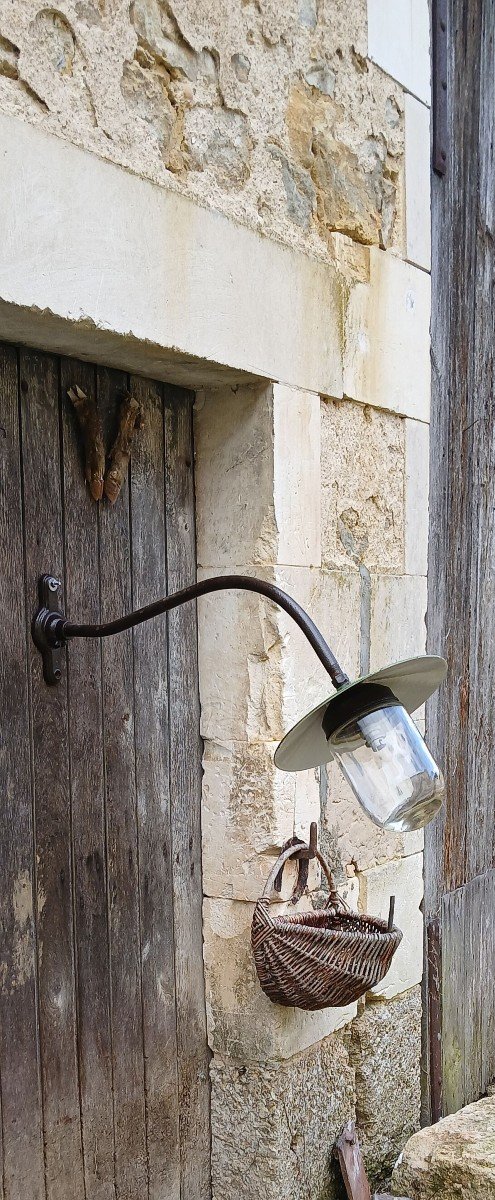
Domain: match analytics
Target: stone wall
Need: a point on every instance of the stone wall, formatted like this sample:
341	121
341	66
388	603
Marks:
328	497
313	494
272	112
308	122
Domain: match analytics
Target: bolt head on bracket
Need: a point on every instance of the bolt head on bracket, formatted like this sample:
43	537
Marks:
46	628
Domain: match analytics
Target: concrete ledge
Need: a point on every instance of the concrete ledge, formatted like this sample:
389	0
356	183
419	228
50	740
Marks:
100	263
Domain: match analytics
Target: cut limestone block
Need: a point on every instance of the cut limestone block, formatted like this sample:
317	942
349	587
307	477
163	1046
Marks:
362	479
454	1158
386	358
250	809
404	880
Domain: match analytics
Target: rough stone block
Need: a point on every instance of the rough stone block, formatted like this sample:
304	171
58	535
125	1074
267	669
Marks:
454	1158
249	810
416	497
352	185
242	1021
274	1124
385	1052
399	42
234	477
362	475
417	166
296	484
258	476
387	339
240	653
332	599
398	613
194	97
247	813
402	878
258	674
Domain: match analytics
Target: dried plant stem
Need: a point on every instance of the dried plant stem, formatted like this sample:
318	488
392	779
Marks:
94	450
129	420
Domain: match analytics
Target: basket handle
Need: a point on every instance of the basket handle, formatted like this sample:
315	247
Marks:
334	900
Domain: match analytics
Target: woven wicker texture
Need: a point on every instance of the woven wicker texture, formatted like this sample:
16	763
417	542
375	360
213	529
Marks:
323	959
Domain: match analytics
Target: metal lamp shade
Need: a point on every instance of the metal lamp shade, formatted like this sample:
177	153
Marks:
411	682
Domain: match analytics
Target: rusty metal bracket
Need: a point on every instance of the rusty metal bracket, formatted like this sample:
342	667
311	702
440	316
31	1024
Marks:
439	33
309	851
302	857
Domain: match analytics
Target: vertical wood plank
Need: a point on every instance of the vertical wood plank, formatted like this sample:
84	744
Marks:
57	1004
185	795
432	1015
469	966
122	847
469	969
23	1167
487	944
149	580
460	846
481	816
87	802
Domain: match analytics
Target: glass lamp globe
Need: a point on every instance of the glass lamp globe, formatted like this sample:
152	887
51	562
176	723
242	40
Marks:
367	728
385	760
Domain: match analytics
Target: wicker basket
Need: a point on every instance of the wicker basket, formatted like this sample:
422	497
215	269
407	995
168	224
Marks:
321	959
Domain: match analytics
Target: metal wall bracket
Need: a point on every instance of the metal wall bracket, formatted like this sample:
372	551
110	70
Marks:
439	18
47	616
306	852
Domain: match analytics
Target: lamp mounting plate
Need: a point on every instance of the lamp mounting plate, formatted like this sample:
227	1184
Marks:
48	613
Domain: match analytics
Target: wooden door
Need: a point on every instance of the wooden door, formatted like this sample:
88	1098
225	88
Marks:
460	847
103	1054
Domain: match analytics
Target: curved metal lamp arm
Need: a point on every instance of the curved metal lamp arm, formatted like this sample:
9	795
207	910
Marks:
51	630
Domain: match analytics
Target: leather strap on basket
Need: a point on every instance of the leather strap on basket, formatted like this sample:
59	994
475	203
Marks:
334	900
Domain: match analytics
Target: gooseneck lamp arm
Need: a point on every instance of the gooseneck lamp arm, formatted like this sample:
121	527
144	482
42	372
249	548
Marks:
365	726
51	630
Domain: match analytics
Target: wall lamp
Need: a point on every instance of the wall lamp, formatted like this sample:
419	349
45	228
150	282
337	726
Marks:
365	726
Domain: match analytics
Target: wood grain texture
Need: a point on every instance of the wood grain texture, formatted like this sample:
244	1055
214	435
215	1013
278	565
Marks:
348	1153
122	844
22	1173
43	528
149	580
87	788
103	1055
460	846
185	792
469	962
